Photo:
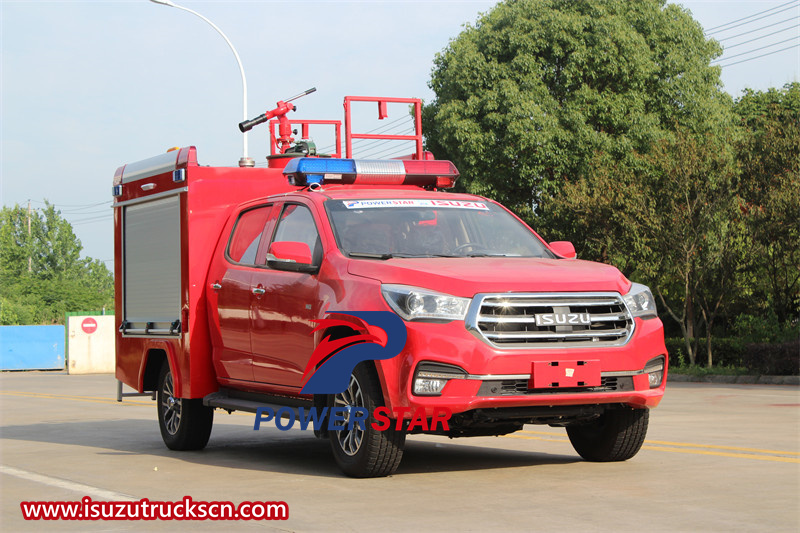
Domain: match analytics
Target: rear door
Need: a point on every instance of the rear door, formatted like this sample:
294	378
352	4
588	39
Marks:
283	315
230	293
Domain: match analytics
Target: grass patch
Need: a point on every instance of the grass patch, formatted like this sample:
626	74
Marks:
701	371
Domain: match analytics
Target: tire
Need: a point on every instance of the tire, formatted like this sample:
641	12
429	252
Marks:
616	436
185	424
367	452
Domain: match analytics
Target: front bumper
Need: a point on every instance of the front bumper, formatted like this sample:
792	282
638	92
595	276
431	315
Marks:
503	378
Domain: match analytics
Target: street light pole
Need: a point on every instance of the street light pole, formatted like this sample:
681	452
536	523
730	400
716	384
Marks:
245	161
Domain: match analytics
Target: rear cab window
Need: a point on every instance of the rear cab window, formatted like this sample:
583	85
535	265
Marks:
247	235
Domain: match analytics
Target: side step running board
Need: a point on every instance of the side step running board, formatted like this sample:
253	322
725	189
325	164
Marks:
223	400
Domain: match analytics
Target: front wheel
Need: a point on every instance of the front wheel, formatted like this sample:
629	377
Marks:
365	452
616	436
185	424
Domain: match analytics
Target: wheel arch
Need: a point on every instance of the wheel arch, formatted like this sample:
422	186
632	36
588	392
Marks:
155	354
338	332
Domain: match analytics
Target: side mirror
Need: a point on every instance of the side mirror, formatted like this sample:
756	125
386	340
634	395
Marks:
292	256
564	248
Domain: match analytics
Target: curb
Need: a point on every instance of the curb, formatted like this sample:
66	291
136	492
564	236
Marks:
738	380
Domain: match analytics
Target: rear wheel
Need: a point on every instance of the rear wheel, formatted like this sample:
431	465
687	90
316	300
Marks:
185	424
365	452
616	436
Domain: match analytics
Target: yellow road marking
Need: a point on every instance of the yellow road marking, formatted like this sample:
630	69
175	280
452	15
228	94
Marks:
94	399
683	444
666	446
534	438
545	433
704	449
724	454
717	447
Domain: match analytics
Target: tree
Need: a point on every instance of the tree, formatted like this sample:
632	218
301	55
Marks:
769	156
603	123
694	246
58	279
669	218
528	96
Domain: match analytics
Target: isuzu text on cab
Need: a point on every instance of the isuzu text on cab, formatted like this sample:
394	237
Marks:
237	287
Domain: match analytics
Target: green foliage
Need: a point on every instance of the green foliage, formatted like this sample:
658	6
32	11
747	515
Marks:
759	329
728	352
769	156
43	275
666	217
737	356
604	123
774	359
718	370
527	97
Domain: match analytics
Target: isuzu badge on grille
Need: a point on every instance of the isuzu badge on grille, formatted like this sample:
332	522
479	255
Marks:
563	319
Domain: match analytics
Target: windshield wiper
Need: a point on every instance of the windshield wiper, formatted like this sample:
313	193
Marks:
368	255
485	254
432	255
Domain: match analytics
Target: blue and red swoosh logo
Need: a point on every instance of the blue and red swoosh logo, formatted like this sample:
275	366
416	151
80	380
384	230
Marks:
377	335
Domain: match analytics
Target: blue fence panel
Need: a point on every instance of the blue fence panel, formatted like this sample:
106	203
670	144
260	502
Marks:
31	347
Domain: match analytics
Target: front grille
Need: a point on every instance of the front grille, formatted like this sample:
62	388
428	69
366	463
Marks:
516	387
510	320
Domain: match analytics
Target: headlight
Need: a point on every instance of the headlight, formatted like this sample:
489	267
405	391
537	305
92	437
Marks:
413	303
640	301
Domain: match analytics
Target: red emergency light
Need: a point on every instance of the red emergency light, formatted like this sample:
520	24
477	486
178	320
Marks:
307	170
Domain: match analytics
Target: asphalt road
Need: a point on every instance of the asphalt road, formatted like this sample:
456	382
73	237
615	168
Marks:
717	458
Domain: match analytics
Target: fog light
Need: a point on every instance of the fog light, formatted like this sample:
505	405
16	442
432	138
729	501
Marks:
655	378
430	378
655	371
428	386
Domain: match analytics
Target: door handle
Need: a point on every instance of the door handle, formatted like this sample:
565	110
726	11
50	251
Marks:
216	286
259	291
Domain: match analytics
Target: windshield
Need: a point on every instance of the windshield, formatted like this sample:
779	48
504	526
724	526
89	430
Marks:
387	228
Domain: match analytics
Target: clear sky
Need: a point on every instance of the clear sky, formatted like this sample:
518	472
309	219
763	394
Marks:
86	87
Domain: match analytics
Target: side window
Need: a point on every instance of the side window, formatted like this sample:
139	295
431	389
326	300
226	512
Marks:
297	224
247	235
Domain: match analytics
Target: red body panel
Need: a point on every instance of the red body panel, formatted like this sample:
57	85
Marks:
249	327
212	194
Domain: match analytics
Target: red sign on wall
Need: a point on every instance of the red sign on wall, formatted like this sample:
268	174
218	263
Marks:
89	325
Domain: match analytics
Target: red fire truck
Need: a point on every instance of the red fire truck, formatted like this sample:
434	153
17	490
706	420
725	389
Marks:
224	275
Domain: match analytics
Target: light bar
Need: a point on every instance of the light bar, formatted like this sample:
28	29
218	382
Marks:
307	170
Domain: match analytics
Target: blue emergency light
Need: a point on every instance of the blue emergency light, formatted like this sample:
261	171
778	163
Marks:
304	171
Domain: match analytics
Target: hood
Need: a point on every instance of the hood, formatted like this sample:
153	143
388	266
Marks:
472	275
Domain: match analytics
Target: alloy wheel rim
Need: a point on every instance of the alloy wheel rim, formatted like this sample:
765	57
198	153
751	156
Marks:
170	406
350	438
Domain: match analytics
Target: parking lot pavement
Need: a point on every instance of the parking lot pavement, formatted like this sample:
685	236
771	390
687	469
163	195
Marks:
718	457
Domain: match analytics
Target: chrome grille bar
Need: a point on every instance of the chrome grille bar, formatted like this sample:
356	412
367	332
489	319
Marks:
505	301
509	320
552	335
528	319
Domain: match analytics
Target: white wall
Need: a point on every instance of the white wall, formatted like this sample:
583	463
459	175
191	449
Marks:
90	352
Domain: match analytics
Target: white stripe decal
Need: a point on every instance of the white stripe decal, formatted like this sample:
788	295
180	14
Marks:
452	204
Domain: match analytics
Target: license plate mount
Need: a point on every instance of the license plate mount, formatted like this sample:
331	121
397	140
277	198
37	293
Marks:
561	374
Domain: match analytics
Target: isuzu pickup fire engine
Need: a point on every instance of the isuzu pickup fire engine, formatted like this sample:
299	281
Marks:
229	280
